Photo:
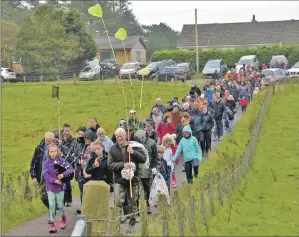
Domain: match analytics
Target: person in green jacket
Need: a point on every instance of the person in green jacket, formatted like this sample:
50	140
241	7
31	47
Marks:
192	153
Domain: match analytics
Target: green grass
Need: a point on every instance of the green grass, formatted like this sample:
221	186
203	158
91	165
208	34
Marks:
270	205
28	111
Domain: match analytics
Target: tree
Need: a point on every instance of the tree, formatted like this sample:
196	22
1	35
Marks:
160	37
43	42
10	32
74	24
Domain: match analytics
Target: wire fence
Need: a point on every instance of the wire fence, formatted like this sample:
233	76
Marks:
193	205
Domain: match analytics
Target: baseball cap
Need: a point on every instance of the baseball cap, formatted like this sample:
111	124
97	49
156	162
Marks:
140	133
132	111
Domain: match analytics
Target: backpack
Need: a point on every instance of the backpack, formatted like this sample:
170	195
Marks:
146	165
230	114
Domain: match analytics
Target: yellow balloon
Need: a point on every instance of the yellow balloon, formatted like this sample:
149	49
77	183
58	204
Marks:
96	11
144	72
121	34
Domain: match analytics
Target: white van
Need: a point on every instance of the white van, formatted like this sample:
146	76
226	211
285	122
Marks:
248	60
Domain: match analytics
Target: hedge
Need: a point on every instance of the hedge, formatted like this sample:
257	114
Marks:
230	56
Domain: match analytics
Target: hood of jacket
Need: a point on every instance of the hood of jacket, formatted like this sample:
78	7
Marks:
187	129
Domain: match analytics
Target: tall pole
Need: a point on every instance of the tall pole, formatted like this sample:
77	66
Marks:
196	43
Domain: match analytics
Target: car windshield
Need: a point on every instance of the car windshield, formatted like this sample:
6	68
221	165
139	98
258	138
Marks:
87	69
9	70
296	65
213	64
268	73
128	66
245	61
153	65
278	59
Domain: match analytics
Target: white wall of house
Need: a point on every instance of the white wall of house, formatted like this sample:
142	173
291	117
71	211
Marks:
138	53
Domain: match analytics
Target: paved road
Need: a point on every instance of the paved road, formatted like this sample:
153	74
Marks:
39	226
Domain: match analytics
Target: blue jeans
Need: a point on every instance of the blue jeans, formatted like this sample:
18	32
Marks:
230	126
53	197
219	128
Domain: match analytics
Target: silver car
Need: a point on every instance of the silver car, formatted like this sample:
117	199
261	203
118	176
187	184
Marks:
90	73
129	69
275	74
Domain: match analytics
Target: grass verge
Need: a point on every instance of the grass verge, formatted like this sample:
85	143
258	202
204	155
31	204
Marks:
266	203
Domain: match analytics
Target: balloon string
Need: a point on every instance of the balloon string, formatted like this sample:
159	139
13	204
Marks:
126	110
130	79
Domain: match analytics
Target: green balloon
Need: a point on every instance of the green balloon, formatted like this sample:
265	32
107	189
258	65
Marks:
121	34
96	11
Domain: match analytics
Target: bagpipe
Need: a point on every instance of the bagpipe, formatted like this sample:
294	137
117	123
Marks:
60	169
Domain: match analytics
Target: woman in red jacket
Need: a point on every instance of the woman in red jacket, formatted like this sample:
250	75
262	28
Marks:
166	126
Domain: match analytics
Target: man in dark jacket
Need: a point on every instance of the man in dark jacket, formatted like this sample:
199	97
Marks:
97	166
118	161
218	108
36	166
206	131
154	165
68	148
158	105
195	122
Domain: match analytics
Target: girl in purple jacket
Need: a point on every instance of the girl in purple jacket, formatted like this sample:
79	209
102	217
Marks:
55	186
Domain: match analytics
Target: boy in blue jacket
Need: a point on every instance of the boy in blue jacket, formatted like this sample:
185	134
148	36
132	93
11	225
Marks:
192	153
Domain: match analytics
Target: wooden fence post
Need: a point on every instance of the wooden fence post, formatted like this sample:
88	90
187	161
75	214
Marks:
25	183
2	178
143	218
41	78
178	210
114	219
164	207
24	79
95	205
74	78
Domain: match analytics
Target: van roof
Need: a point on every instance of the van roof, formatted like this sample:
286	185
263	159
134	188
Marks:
248	56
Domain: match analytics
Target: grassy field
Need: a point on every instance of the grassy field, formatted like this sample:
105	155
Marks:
266	203
28	111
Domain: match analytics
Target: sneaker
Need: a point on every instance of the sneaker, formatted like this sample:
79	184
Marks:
183	170
68	204
49	222
149	211
53	228
196	176
78	211
123	219
63	222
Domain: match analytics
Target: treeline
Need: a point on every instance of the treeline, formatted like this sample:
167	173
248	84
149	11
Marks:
52	33
230	56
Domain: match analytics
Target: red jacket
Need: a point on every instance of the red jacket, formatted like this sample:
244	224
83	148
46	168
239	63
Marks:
164	128
243	103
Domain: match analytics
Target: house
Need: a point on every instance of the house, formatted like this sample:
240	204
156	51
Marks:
242	34
135	48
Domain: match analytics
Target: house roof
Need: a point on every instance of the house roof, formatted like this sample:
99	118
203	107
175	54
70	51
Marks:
243	33
129	42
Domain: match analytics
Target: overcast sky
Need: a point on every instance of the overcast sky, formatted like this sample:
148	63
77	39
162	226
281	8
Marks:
177	13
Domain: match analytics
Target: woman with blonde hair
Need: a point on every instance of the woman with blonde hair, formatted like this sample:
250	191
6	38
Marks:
104	139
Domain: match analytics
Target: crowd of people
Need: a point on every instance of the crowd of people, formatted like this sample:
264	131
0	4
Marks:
138	149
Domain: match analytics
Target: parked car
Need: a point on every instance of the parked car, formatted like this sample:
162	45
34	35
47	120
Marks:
7	74
129	69
294	71
278	61
214	65
187	68
90	73
169	74
274	75
153	67
248	60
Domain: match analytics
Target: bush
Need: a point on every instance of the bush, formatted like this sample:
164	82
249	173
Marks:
230	56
